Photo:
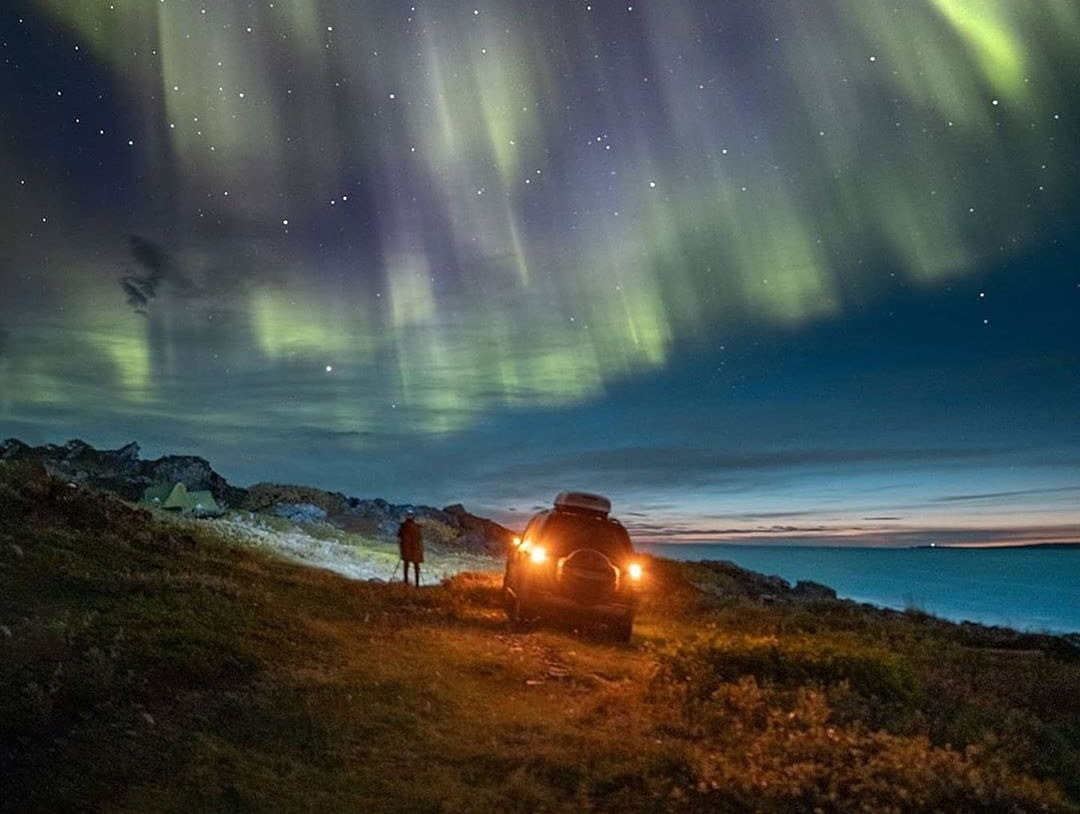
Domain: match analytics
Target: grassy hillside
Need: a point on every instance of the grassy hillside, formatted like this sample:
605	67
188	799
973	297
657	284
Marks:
148	666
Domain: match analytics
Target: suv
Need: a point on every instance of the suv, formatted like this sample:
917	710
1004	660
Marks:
574	561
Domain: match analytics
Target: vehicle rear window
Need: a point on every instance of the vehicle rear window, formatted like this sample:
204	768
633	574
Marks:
565	532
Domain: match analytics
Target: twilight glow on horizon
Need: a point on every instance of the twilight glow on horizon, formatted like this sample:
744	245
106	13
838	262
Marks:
758	271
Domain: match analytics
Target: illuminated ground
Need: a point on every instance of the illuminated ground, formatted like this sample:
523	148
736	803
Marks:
351	555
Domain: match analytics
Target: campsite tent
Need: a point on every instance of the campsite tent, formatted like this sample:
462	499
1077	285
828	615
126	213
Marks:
157	494
177	498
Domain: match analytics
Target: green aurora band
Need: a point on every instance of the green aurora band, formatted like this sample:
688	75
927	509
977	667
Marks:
526	257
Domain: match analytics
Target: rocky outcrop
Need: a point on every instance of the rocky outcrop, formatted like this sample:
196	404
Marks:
265	497
721	578
808	589
453	527
195	473
301	512
123	473
487	533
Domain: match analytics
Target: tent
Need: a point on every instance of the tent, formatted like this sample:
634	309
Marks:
157	494
177	498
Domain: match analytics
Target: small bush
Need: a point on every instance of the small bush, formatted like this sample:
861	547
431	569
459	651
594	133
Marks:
768	749
480	589
702	668
53	673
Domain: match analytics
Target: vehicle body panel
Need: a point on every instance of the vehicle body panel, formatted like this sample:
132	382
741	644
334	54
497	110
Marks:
572	564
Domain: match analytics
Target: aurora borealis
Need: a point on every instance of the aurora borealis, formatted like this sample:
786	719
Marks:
754	269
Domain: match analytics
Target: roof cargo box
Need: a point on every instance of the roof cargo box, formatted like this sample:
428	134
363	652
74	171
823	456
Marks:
583	503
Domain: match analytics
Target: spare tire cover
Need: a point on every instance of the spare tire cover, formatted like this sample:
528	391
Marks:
587	576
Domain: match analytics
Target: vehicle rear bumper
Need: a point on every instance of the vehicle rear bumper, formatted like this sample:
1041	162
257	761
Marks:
554	604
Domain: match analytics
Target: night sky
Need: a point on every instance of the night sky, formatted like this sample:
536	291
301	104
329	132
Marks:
799	271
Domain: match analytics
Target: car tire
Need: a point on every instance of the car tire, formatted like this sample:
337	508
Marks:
622	630
514	613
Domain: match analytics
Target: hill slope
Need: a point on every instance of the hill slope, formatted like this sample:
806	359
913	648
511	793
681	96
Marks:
152	666
123	473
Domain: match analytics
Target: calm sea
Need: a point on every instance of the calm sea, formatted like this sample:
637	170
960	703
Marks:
1036	589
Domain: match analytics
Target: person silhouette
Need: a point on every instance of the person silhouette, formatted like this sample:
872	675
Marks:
411	546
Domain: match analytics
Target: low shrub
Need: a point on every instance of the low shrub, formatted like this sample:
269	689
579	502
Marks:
770	750
702	667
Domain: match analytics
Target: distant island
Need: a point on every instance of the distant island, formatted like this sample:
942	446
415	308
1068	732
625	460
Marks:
996	547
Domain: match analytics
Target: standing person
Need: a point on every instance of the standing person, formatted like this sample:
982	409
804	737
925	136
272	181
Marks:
411	546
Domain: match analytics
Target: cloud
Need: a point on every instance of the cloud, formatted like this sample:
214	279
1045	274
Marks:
684	529
751	516
156	267
639	466
1013	493
854	536
310	433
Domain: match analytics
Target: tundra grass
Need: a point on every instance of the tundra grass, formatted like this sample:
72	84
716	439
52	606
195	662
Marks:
148	666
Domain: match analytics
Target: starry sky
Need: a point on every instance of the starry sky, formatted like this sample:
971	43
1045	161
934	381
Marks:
780	272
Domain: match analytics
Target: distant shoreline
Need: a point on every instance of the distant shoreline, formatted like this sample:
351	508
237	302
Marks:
857	547
993	547
1024	587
